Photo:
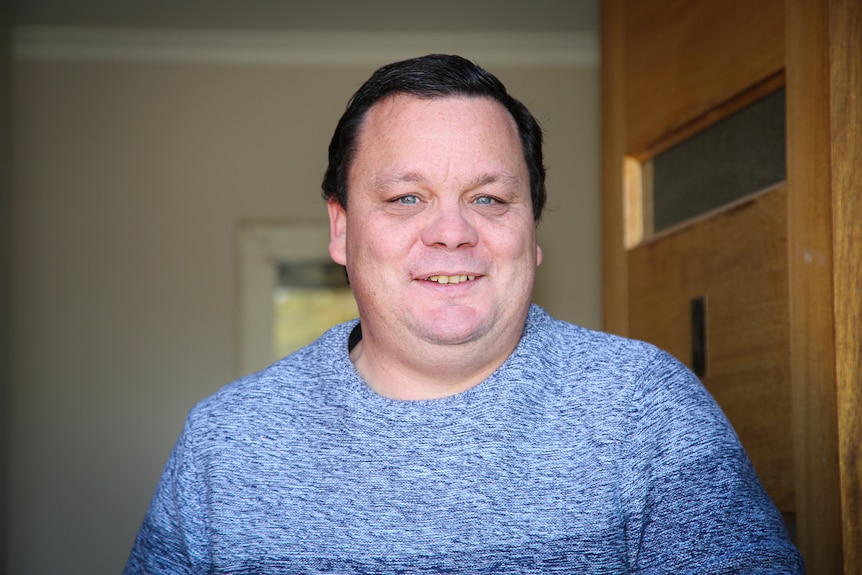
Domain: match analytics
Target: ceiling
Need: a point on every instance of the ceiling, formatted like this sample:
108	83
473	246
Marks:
559	16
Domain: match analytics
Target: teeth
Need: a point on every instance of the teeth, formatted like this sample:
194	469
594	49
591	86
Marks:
451	279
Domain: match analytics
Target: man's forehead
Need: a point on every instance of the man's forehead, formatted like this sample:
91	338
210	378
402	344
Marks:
390	153
422	106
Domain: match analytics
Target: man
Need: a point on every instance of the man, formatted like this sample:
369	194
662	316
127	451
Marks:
455	428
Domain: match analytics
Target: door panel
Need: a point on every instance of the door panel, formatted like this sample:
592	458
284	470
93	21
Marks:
671	68
736	260
685	66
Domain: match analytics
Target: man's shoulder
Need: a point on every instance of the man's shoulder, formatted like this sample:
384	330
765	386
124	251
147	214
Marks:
585	366
292	380
583	346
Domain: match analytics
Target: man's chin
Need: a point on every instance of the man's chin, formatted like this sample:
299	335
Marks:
453	326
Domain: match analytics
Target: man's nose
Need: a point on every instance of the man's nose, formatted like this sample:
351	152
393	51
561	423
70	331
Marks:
450	228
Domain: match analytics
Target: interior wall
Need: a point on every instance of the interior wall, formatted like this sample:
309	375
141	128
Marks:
130	181
5	264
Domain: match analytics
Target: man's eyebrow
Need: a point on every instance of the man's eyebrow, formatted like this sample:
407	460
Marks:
503	177
389	179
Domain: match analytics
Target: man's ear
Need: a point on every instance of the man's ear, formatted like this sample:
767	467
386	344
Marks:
538	255
337	231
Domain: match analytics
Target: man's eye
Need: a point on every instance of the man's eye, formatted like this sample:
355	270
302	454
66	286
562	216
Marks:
485	200
407	200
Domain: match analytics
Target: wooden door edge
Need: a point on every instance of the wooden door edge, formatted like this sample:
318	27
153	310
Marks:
845	33
614	267
810	261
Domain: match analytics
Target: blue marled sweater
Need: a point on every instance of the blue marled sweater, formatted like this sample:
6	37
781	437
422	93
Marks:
584	453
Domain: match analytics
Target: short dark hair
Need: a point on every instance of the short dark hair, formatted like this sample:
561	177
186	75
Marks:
432	76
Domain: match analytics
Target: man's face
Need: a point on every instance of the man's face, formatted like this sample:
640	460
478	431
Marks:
438	237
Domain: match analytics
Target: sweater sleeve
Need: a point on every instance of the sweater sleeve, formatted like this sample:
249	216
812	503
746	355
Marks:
172	538
697	506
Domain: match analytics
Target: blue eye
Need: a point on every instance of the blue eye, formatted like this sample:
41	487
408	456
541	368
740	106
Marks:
408	200
485	200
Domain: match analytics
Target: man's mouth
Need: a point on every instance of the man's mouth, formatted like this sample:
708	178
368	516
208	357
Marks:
450	279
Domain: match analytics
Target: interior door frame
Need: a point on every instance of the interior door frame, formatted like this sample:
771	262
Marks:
823	81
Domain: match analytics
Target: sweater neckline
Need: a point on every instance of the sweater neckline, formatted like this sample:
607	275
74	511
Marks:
488	390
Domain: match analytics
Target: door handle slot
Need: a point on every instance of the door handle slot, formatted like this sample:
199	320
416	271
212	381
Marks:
698	336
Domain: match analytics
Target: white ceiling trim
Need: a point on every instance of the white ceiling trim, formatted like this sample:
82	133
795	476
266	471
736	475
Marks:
300	47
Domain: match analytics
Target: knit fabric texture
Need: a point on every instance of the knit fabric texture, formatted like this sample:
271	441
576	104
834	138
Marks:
583	453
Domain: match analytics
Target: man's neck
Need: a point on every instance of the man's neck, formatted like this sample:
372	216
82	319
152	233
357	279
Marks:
426	371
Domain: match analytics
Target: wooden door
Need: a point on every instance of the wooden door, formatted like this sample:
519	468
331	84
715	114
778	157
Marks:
753	293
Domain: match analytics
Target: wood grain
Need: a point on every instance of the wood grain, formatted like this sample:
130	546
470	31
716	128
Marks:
812	329
683	59
737	260
614	270
845	33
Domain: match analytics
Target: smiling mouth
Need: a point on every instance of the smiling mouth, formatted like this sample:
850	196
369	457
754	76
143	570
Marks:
450	279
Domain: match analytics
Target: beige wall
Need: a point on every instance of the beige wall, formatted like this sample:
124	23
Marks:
130	181
5	265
